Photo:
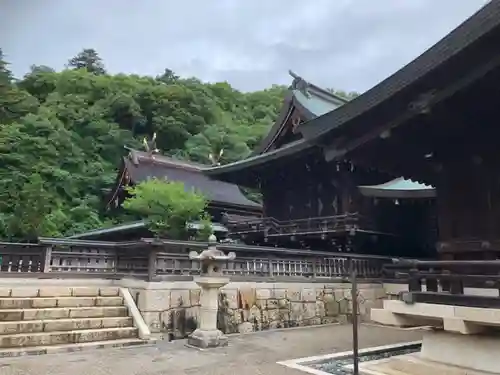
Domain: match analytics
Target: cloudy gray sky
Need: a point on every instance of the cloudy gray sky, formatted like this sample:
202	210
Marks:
344	44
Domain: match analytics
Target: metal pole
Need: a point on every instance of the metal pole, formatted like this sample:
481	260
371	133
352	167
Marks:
354	297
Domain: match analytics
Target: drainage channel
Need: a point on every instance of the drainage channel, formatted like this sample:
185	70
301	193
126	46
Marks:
341	363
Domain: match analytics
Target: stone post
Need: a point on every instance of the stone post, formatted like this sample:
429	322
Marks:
211	280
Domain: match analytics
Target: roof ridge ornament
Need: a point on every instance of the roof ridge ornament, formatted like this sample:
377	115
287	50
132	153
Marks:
215	159
300	84
150	146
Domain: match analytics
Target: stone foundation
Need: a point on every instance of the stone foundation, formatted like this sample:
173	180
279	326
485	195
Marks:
174	307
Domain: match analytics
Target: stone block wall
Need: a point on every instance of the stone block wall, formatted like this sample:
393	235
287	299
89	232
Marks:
174	307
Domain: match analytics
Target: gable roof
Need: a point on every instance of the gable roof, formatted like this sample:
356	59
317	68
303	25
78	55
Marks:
142	166
310	100
417	81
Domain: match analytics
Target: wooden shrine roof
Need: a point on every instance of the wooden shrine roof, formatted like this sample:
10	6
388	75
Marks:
425	109
231	172
465	54
134	226
310	100
415	84
141	166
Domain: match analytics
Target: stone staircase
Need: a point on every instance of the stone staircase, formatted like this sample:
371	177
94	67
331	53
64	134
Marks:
42	320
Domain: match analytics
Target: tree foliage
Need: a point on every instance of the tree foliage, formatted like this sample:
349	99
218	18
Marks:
89	60
62	136
167	207
348	95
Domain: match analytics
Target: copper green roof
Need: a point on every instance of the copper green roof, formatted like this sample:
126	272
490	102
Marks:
310	100
315	102
399	188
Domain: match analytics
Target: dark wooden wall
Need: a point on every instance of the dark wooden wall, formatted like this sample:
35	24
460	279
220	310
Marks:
302	188
469	201
309	187
413	220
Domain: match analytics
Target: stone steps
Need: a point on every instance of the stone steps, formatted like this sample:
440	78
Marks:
66	337
62	313
70	348
34	326
41	302
33	320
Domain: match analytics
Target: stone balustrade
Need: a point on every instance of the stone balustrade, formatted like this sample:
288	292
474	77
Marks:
156	260
268	287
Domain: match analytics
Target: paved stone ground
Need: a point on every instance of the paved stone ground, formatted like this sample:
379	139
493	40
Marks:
251	354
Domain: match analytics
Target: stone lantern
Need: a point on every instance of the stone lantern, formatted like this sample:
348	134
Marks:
211	280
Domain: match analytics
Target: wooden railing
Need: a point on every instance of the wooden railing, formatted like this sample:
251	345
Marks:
457	247
445	282
327	224
331	267
151	258
19	258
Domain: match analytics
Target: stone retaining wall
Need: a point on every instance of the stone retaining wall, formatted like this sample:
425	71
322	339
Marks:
174	307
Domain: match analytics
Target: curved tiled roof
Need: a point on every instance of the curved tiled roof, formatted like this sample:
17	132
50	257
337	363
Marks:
142	166
399	188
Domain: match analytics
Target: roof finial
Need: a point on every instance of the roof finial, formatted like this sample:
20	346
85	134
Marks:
300	84
216	159
150	146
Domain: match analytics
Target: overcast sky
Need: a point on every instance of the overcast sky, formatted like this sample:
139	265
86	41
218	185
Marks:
343	44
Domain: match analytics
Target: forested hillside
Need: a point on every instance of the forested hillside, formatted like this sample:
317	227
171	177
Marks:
62	136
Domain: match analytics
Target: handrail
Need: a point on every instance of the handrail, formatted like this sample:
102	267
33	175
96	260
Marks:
445	281
270	226
163	257
353	215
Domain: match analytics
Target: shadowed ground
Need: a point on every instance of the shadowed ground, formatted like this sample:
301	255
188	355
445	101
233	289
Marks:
251	354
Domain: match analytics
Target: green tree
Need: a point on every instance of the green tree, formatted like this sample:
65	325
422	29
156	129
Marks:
5	73
168	77
35	211
167	207
348	95
214	139
14	103
88	59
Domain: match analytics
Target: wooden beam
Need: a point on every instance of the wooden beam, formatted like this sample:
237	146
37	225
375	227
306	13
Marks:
335	149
